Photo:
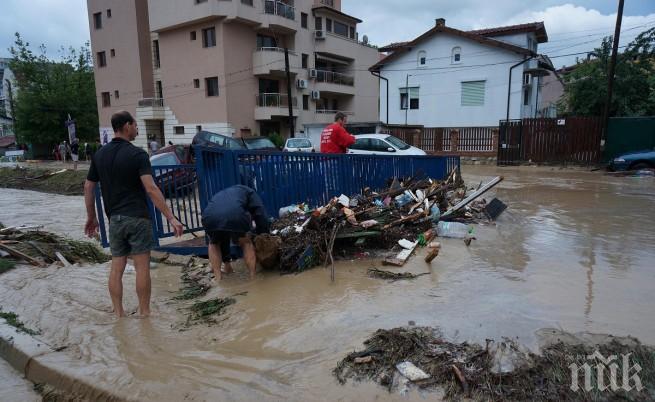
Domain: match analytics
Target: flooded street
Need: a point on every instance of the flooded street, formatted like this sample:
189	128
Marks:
574	250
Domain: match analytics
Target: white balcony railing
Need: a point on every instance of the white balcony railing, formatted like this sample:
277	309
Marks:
330	111
334	78
329	3
274	49
274	100
151	102
277	7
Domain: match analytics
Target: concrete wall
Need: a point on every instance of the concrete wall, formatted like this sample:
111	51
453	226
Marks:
440	84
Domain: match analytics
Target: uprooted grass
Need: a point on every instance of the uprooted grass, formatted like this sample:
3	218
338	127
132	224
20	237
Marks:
12	319
392	276
545	377
69	182
207	311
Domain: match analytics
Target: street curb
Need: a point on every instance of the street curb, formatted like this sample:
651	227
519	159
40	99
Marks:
40	364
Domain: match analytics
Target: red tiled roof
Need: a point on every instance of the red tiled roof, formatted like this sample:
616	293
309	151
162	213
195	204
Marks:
7	141
537	27
392	46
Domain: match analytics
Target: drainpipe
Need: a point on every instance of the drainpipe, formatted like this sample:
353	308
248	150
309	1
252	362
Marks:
376	74
509	87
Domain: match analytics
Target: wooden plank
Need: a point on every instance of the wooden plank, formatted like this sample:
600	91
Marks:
20	255
473	196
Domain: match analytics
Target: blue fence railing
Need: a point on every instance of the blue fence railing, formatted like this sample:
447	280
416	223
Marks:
280	178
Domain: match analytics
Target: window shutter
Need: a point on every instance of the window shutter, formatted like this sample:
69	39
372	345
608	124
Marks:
473	93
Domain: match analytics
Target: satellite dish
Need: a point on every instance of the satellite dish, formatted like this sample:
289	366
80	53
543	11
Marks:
365	39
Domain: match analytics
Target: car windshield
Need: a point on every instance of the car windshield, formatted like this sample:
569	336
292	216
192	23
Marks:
163	160
231	143
259	143
397	142
299	143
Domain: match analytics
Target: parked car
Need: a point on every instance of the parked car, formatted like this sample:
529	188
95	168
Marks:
259	144
634	161
172	178
209	139
382	144
298	145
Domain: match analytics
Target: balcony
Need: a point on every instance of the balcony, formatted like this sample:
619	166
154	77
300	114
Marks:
337	83
151	108
276	7
329	3
151	102
326	116
270	61
269	105
283	16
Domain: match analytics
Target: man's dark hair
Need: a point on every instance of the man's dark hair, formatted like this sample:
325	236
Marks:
120	119
339	116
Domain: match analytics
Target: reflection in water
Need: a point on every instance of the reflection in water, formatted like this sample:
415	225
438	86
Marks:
574	250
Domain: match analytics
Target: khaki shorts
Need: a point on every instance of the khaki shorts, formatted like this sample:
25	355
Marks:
129	235
74	157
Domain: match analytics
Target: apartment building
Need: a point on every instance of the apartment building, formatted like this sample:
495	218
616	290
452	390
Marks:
219	65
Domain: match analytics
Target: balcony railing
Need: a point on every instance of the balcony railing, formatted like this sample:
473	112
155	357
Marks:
276	7
275	100
274	49
334	78
151	102
330	111
329	3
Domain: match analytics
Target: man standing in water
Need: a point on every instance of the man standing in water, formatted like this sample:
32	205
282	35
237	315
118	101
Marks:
125	178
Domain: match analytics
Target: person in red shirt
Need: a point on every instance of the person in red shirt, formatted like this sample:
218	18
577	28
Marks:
334	138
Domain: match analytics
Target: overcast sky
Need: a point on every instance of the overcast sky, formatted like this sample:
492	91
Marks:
573	26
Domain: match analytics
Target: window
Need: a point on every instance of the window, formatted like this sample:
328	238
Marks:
178	130
352	32
117	95
97	20
196	83
102	59
108	13
305	61
106	99
247	2
209	37
192	35
266	41
200	1
211	84
363	144
305	102
473	93
112	52
160	90
413	98
456	55
378	145
526	96
328	25
303	20
155	53
340	29
422	58
318	24
198	129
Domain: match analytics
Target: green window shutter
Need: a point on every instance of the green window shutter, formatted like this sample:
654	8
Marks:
473	93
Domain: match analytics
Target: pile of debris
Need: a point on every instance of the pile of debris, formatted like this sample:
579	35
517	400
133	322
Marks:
408	214
39	248
418	356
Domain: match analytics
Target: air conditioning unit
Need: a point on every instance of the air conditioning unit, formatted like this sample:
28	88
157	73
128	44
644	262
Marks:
301	84
316	95
319	35
313	73
527	79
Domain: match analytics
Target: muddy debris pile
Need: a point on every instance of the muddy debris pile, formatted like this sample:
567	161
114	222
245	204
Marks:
409	213
402	358
39	248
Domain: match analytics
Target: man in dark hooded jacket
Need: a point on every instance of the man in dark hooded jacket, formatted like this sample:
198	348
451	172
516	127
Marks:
229	217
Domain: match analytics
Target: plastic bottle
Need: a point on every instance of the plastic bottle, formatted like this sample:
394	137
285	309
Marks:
453	229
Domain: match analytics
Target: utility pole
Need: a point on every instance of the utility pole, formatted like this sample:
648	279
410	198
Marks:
292	128
612	68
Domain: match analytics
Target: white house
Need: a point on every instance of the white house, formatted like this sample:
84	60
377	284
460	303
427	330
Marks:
452	78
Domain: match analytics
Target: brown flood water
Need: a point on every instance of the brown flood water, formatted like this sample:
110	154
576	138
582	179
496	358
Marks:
573	251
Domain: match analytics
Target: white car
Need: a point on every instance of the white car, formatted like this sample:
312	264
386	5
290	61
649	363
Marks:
298	145
382	144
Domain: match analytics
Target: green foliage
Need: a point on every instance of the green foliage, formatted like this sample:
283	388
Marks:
277	139
12	319
48	90
585	91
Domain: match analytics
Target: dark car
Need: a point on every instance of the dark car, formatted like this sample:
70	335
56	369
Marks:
171	176
634	161
259	144
209	139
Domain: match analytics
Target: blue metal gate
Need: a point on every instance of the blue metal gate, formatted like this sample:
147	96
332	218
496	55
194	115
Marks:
280	178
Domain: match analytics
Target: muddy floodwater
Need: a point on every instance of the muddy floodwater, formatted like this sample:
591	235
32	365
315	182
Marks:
573	251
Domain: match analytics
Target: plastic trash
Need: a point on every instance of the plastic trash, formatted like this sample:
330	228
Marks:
406	244
454	229
284	211
344	200
411	372
403	199
379	203
369	223
435	213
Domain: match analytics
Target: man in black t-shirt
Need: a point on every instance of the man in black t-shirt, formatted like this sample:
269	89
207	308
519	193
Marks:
125	178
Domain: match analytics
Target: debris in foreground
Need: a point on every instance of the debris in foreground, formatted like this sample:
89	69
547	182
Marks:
483	373
12	319
392	276
205	311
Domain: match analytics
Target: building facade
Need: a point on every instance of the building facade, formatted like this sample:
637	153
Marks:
453	78
219	65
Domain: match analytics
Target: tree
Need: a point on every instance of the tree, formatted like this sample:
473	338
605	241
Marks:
585	90
47	91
